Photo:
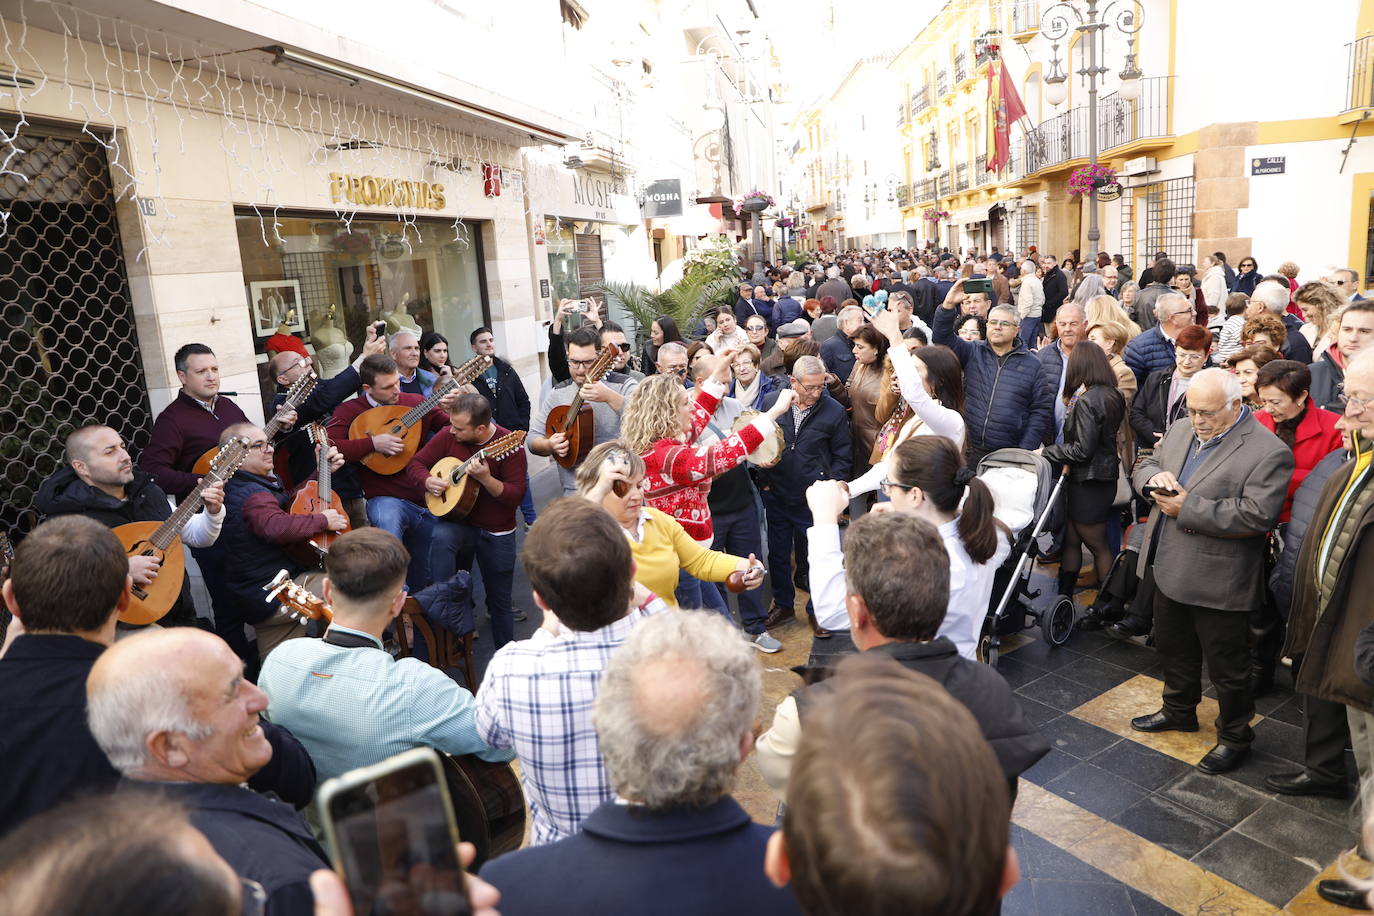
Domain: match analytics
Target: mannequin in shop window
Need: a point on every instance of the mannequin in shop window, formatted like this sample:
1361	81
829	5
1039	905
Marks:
333	350
401	319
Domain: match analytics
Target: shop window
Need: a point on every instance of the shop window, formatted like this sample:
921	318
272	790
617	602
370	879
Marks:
325	282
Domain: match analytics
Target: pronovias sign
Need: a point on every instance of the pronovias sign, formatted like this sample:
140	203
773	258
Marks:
371	191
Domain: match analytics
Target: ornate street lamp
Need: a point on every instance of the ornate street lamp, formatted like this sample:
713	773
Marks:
1055	24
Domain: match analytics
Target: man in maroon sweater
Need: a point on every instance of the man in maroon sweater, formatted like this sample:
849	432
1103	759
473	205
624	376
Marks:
395	503
258	533
189	427
488	531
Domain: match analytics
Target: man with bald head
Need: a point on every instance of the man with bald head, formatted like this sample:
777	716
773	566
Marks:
100	482
173	708
1218	485
673	716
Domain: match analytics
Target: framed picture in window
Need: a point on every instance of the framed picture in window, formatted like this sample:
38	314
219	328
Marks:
276	304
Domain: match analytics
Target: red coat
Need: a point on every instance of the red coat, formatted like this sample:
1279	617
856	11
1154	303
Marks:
1317	438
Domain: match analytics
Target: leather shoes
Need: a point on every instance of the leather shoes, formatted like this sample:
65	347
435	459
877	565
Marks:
1302	783
1336	891
778	615
1261	682
1163	722
1222	759
1128	628
818	631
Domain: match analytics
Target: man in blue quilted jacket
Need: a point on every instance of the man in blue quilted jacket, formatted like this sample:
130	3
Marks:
1006	404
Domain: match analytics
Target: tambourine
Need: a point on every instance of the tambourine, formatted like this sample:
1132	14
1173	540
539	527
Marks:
769	451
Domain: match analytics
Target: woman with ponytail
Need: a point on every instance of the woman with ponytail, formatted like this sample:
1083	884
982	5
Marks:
927	477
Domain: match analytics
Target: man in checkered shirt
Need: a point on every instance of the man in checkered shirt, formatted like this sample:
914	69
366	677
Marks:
537	695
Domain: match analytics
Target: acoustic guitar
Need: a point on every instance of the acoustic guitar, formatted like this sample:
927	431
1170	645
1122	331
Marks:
399	420
318	494
295	396
163	540
456	502
575	420
488	803
6	558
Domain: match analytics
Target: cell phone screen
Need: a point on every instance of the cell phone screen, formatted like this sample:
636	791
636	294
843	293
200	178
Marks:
397	847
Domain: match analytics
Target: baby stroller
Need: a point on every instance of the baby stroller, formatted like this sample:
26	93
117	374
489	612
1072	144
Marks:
1025	489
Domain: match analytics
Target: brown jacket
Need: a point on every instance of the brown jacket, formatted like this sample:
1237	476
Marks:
1326	640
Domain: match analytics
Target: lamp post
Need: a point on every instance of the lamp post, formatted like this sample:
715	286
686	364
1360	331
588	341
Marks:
932	166
1055	24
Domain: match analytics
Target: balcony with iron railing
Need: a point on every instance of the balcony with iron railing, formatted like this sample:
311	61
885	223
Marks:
920	101
1064	138
961	176
960	67
981	52
981	175
1359	81
902	115
941	83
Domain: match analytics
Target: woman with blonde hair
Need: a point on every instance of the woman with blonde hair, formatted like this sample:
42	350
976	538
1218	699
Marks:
1106	310
612	476
1321	307
661	424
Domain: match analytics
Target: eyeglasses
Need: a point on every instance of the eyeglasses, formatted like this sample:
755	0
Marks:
262	445
585	363
1360	404
738	367
1177	314
1001	323
253	899
1204	414
756	327
812	389
1247	263
675	370
624	347
1184	356
889	485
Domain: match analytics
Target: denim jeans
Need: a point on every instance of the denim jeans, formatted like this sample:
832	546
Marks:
413	525
527	504
456	545
1030	330
786	522
739	533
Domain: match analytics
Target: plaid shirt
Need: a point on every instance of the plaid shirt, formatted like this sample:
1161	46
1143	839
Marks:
536	698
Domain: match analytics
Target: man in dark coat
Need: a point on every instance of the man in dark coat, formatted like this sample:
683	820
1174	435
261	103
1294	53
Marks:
1056	288
674	716
1332	582
1354	333
896	570
510	404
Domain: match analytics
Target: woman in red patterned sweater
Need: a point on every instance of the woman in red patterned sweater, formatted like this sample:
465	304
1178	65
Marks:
661	423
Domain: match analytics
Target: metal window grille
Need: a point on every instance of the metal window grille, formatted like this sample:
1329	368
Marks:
1027	228
1158	217
68	346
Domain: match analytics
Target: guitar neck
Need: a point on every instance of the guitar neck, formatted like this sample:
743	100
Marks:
494	450
168	531
417	413
325	474
294	398
595	374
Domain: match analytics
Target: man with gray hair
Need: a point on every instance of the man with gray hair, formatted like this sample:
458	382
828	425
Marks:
838	352
674	717
405	349
834	285
1154	349
1347	283
672	360
1275	297
172	708
1218	485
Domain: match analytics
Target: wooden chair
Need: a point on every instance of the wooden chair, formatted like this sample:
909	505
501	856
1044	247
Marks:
445	650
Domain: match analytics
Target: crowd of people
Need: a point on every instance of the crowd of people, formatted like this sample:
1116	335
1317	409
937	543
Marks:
821	434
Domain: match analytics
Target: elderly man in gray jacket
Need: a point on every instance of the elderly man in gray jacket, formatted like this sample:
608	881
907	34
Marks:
1217	485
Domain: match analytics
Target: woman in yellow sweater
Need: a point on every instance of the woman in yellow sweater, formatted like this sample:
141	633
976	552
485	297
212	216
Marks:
660	546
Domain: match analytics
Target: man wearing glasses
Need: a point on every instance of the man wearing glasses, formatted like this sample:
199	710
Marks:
606	398
258	534
1332	614
1218	486
1154	349
1347	281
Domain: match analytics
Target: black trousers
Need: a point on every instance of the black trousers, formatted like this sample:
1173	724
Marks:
1186	635
1325	736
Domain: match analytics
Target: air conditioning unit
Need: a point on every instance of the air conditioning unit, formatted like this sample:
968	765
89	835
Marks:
1141	165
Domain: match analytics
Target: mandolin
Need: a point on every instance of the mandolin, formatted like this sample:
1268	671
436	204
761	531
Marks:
317	495
488	803
402	421
456	502
575	420
6	558
163	540
295	396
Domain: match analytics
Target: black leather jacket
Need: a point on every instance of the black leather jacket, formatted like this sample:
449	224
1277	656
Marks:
1090	429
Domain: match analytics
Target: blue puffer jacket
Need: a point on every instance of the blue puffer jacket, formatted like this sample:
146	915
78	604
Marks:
1305	500
1006	404
1147	352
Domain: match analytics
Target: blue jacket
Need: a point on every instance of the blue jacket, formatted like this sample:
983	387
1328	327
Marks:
683	861
1305	500
1147	352
1005	401
822	449
767	385
784	310
838	355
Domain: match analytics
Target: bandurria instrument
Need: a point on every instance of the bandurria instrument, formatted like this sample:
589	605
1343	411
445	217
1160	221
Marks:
456	502
487	800
399	420
163	540
769	451
575	420
317	495
295	396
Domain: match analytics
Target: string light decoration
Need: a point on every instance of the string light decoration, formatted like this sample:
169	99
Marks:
145	96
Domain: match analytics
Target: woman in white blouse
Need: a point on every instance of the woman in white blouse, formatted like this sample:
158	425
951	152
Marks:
930	385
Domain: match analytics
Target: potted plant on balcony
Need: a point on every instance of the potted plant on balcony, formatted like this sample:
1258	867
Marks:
1082	180
754	202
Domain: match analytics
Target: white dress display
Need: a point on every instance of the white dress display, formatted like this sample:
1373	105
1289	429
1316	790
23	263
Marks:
333	350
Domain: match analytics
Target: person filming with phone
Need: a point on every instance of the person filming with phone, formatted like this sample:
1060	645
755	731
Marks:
1217	485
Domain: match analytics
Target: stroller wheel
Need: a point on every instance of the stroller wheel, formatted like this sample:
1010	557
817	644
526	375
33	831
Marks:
988	644
1056	622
